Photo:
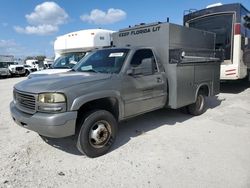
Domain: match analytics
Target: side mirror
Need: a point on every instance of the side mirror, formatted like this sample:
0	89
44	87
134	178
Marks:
130	72
147	66
73	62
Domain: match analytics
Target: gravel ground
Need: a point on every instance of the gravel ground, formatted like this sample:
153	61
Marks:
165	148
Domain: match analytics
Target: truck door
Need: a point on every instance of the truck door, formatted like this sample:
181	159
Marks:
143	91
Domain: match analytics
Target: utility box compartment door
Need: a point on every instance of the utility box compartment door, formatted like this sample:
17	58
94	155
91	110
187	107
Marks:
185	85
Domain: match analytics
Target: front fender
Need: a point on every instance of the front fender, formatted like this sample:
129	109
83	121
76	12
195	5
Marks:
80	101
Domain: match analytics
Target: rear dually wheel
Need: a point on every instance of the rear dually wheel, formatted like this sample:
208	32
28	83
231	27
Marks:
199	106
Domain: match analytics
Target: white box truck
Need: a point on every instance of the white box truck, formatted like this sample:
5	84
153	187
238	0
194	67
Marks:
71	47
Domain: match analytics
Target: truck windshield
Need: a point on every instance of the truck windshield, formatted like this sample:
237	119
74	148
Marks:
3	65
103	61
220	24
67	61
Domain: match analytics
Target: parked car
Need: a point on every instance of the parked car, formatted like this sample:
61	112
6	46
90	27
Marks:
29	69
4	71
16	70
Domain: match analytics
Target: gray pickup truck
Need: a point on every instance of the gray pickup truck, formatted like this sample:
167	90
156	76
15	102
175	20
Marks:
151	67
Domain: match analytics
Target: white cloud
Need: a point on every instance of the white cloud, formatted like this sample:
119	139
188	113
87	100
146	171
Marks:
7	44
44	20
38	30
48	13
97	16
9	47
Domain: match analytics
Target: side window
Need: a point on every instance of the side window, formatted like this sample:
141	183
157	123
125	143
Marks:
140	55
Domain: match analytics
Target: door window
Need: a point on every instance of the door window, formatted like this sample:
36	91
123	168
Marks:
142	54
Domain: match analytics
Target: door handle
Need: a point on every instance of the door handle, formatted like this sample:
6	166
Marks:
159	80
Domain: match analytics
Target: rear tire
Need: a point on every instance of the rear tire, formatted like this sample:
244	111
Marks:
199	107
97	133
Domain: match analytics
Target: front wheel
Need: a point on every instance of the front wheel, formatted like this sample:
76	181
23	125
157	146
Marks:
199	107
26	73
97	133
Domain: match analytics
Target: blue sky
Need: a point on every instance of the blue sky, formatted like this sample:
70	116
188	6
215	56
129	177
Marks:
29	27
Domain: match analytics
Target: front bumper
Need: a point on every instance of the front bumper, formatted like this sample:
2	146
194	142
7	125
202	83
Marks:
3	73
50	125
20	72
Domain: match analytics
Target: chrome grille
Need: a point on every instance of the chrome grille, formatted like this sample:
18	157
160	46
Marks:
19	68
25	102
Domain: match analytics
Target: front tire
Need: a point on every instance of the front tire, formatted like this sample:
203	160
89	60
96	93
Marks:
97	133
26	73
199	107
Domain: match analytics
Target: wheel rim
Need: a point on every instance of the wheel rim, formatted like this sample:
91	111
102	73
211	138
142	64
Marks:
99	134
200	102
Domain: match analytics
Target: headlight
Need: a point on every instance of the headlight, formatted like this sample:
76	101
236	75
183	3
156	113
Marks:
51	102
51	98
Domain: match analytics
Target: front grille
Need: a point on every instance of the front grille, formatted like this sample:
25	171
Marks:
25	102
19	68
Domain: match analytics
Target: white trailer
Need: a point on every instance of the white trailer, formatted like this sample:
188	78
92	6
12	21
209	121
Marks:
71	47
231	23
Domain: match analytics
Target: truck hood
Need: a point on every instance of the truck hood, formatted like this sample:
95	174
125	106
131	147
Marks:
14	66
47	72
56	82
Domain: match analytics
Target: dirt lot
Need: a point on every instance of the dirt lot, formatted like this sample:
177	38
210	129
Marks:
165	148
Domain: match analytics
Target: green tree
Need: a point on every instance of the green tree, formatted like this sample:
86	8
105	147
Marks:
40	57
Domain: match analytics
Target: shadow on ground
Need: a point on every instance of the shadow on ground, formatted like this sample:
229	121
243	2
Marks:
134	127
234	87
153	120
67	144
